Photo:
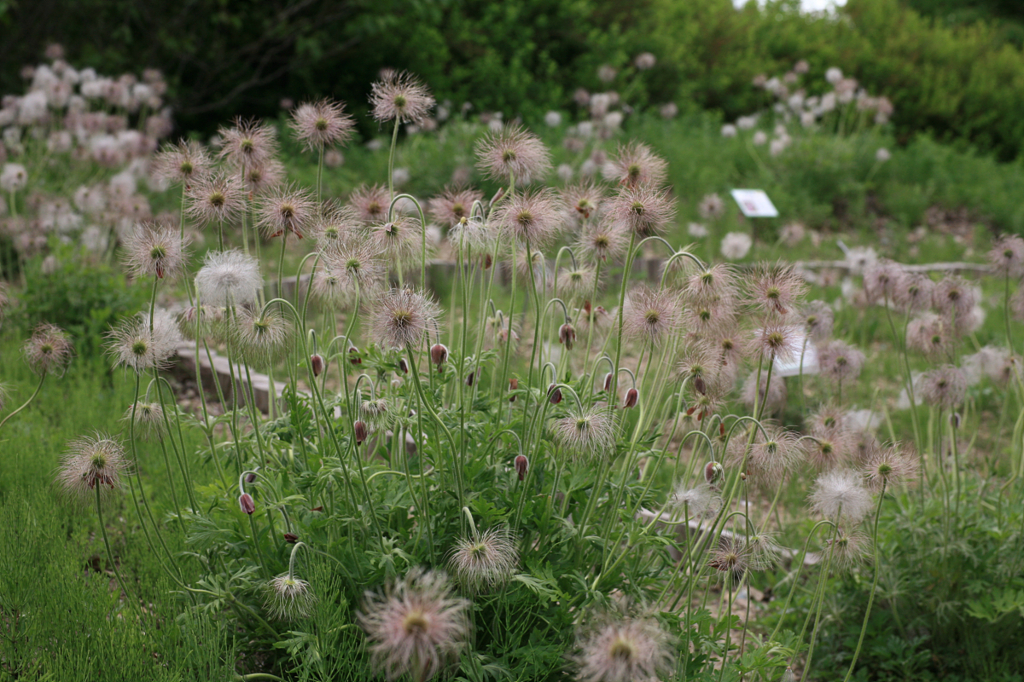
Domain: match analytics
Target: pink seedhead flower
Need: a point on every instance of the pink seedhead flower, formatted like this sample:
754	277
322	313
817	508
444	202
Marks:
818	320
259	336
849	549
454	204
289	209
714	283
954	298
931	335
576	283
289	598
732	558
485	560
355	266
182	163
401	317
1007	256
369	204
776	290
141	344
636	164
586	434
839	362
773	396
322	124
416	626
263	177
48	351
215	199
399	96
513	152
776	342
944	387
92	463
840	493
698	503
582	202
913	293
888	467
155	251
623	650
332	228
603	241
399	241
650	315
711	207
769	459
249	143
883	281
642	210
530	218
148	417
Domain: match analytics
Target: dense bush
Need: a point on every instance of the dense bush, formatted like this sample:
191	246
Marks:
527	56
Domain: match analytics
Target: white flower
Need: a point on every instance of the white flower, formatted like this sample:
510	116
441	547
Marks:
697	230
760	137
834	75
882	155
13	177
728	130
735	245
553	119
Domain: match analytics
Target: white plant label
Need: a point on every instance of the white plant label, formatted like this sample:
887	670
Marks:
754	203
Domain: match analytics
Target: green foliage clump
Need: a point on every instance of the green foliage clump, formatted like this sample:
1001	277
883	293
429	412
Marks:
80	292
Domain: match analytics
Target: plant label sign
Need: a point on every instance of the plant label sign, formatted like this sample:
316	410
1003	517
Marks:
754	203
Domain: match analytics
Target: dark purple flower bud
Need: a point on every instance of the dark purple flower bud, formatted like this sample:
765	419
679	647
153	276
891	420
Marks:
438	354
513	385
403	365
353	355
469	378
522	466
712	472
250	477
291	538
359	427
632	397
607	382
554	394
316	363
698	383
246	503
567	335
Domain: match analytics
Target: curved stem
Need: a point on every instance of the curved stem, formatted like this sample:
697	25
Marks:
32	397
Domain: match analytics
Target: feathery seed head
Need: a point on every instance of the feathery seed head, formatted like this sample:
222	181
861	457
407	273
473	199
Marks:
849	549
263	177
259	336
1007	256
454	204
635	164
248	143
155	251
777	342
530	217
48	350
582	202
642	209
841	493
401	317
698	503
184	162
818	320
399	241
586	434
484	560
839	362
215	199
603	241
944	387
888	467
91	463
321	124
400	96
370	204
288	209
289	598
954	297
616	649
931	335
513	151
776	289
228	278
148	418
416	626
650	315
576	283
141	344
913	293
883	280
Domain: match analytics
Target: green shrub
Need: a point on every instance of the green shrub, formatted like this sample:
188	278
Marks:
80	292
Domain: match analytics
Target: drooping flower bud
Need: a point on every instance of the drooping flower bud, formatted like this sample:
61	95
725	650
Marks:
316	363
712	472
291	538
513	385
488	261
438	355
567	335
522	466
632	397
246	503
359	428
554	394
403	365
607	382
698	383
353	355
954	420
469	378
250	477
